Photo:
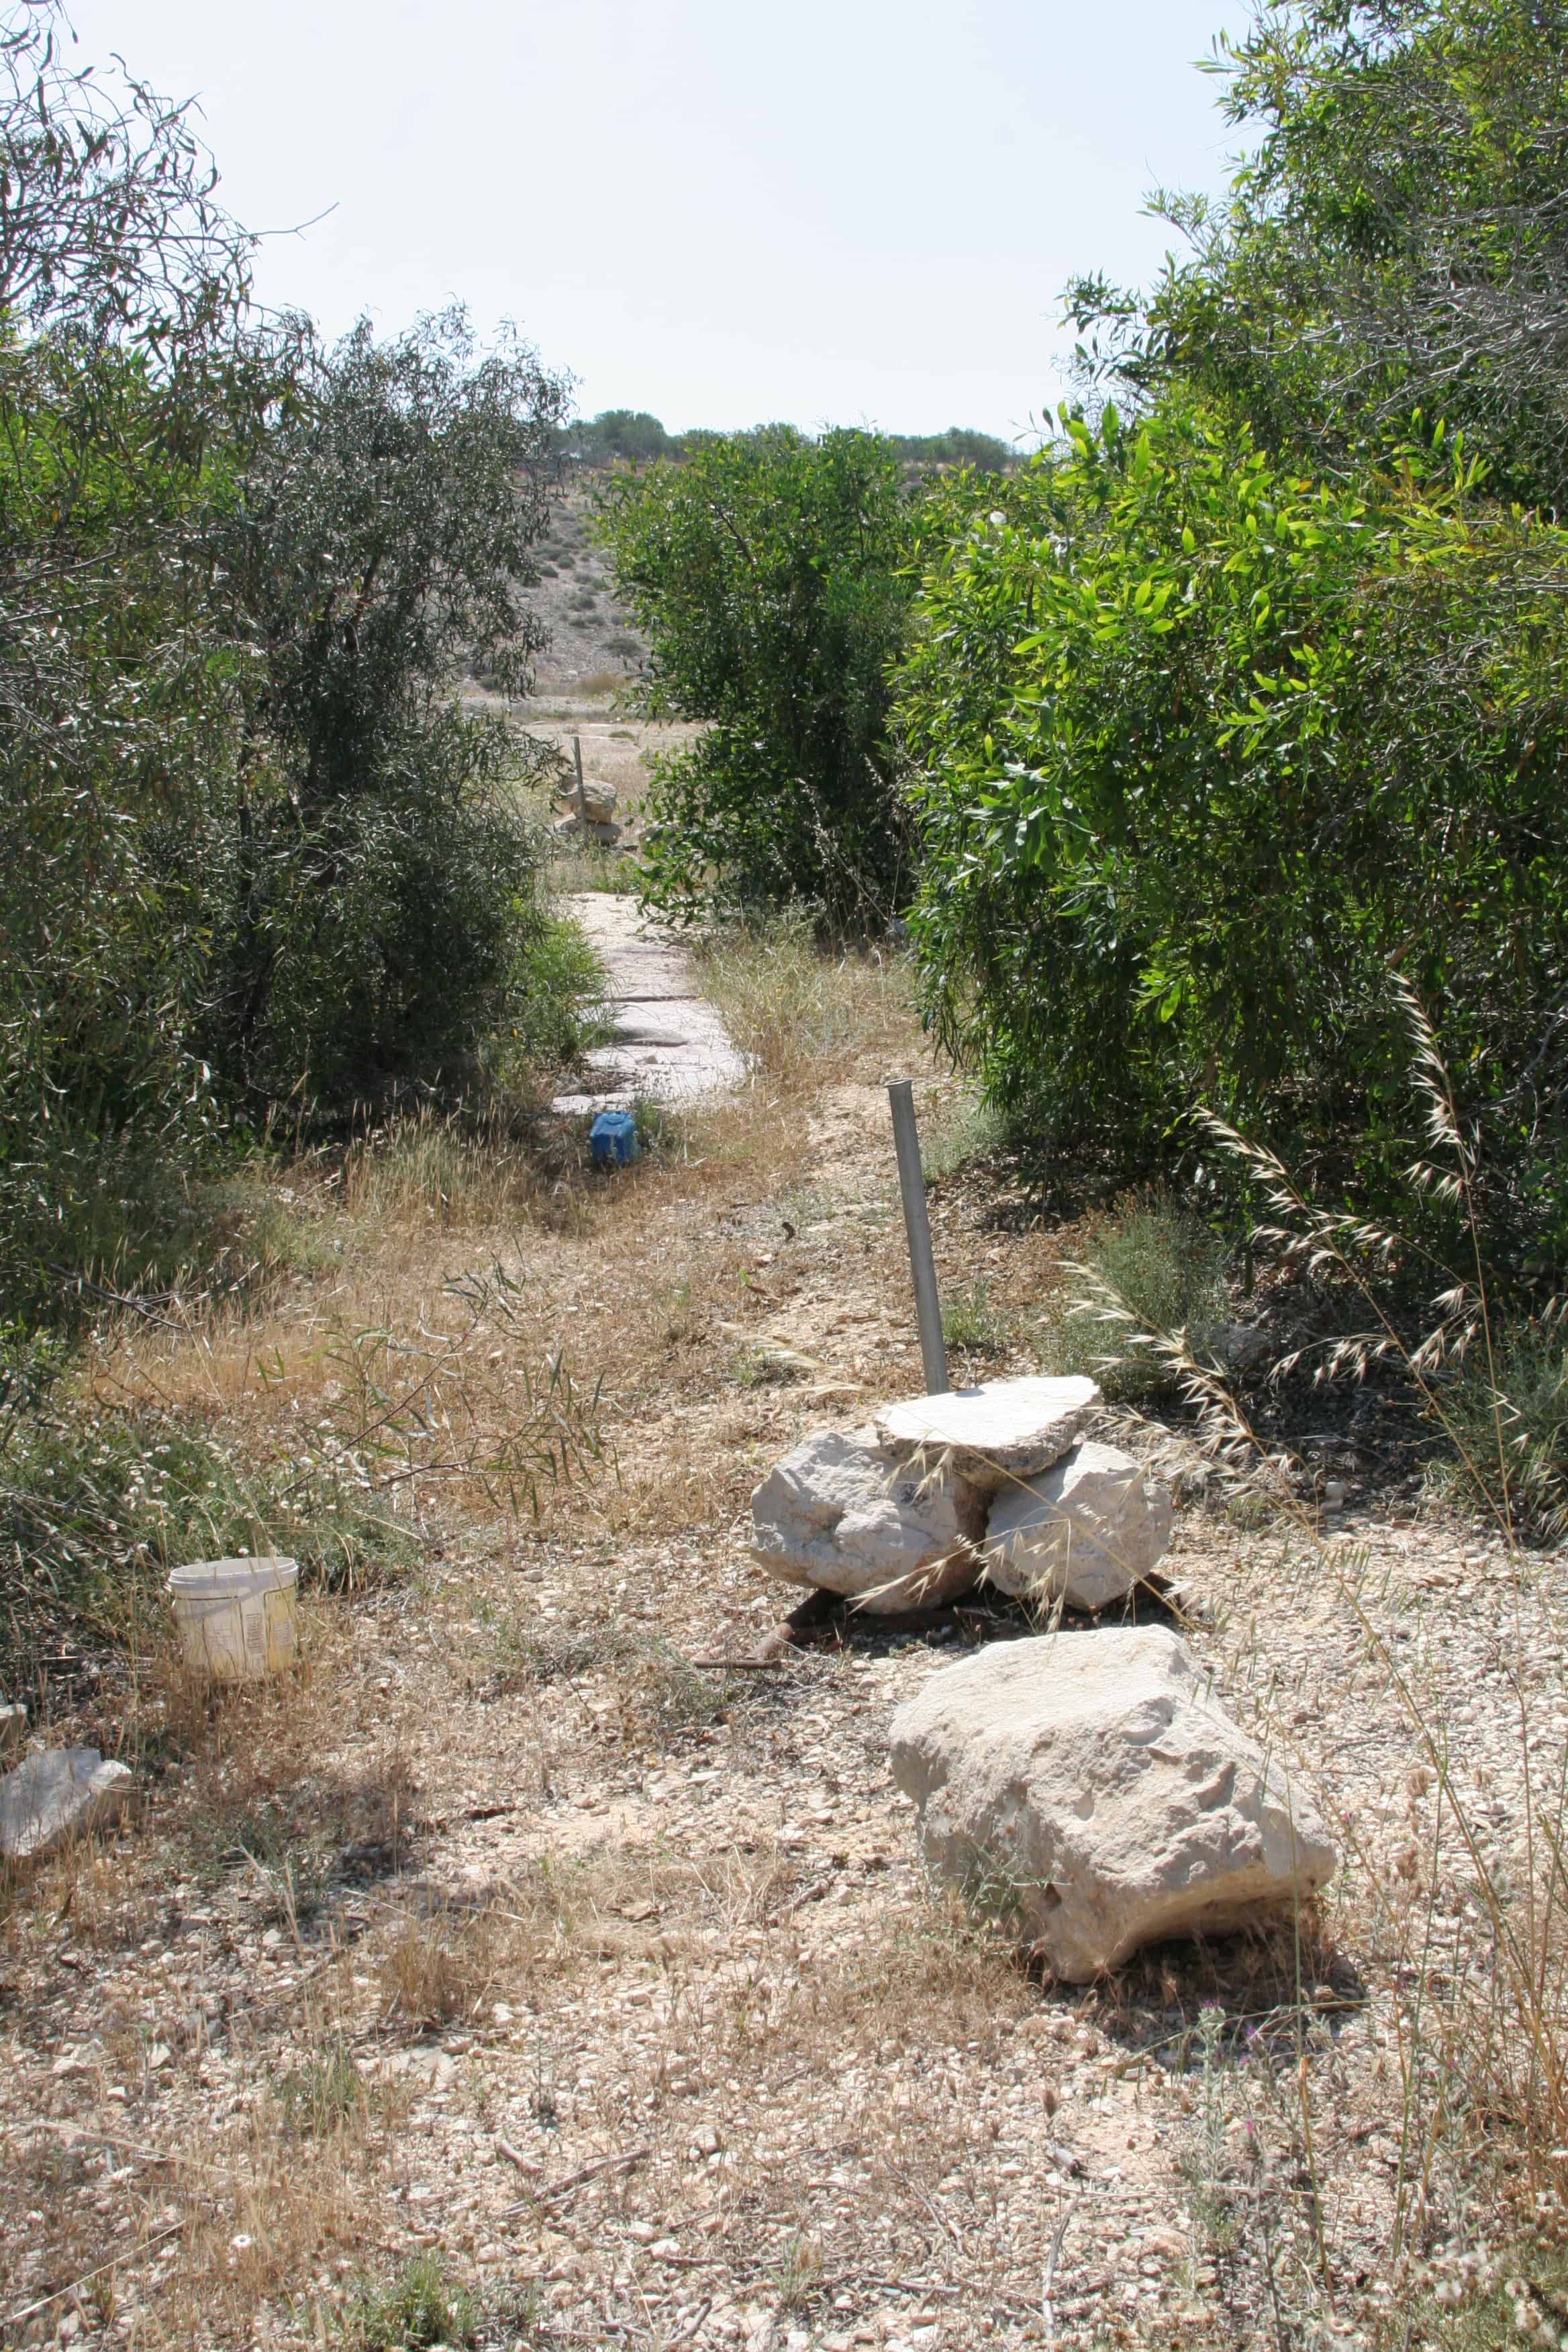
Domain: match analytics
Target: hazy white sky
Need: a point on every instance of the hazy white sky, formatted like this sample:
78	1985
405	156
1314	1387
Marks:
836	211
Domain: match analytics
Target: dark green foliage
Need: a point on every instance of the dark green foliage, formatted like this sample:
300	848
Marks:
1204	747
1226	718
381	875
634	437
766	572
122	384
553	1001
257	854
1396	242
629	434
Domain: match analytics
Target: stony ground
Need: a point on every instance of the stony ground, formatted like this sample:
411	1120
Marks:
534	1930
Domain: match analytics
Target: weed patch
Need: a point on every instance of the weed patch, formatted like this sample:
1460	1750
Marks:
420	2309
802	1014
1167	1271
971	1322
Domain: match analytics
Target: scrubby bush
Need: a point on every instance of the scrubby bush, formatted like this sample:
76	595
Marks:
383	878
1391	247
258	853
767	573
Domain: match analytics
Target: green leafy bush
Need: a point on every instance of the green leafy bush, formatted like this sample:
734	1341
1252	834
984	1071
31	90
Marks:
383	878
1203	745
766	572
1389	255
258	853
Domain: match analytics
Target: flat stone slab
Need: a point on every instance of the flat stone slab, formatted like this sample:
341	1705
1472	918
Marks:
1002	1430
838	1515
635	1029
683	1054
1089	1788
57	1794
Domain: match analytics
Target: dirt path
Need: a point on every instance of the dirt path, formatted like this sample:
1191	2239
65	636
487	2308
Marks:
514	1940
670	1045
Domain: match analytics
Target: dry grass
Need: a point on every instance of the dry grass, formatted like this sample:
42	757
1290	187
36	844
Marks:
439	1969
455	1172
806	1019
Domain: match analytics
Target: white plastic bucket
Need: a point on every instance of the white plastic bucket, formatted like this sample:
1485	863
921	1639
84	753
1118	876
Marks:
237	1618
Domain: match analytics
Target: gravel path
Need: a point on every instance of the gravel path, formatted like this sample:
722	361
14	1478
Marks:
670	1044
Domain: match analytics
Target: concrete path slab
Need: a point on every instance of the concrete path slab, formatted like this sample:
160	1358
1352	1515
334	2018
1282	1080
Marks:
670	1045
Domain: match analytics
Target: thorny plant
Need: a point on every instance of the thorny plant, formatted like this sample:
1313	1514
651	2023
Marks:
1482	2037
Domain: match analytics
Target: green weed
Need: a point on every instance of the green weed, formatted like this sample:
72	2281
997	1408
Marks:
1166	1269
324	2096
971	1322
1507	1421
972	1131
420	2309
96	1504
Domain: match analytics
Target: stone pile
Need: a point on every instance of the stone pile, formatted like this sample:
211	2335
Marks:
597	813
996	1481
1086	1785
1088	1789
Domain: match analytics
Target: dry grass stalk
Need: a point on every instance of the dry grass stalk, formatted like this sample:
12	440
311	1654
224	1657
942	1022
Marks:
1482	2041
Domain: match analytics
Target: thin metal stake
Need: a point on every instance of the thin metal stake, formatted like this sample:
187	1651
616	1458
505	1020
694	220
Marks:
917	1224
582	795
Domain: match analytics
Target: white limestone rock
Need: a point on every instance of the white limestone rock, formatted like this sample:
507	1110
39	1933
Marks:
56	1795
12	1730
1091	1783
603	831
990	1436
838	1514
1085	1531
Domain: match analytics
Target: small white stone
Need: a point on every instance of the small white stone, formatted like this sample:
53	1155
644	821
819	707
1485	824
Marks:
55	1795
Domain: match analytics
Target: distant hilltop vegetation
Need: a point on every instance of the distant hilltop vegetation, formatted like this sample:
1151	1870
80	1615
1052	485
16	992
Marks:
631	436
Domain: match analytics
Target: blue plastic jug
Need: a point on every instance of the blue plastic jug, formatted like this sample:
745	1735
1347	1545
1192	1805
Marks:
613	1139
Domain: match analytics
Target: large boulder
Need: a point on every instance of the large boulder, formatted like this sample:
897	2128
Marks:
838	1514
1085	1531
57	1794
1090	1785
599	802
993	1435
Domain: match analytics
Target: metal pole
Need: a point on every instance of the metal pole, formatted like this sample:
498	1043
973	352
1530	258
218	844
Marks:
582	795
917	1224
